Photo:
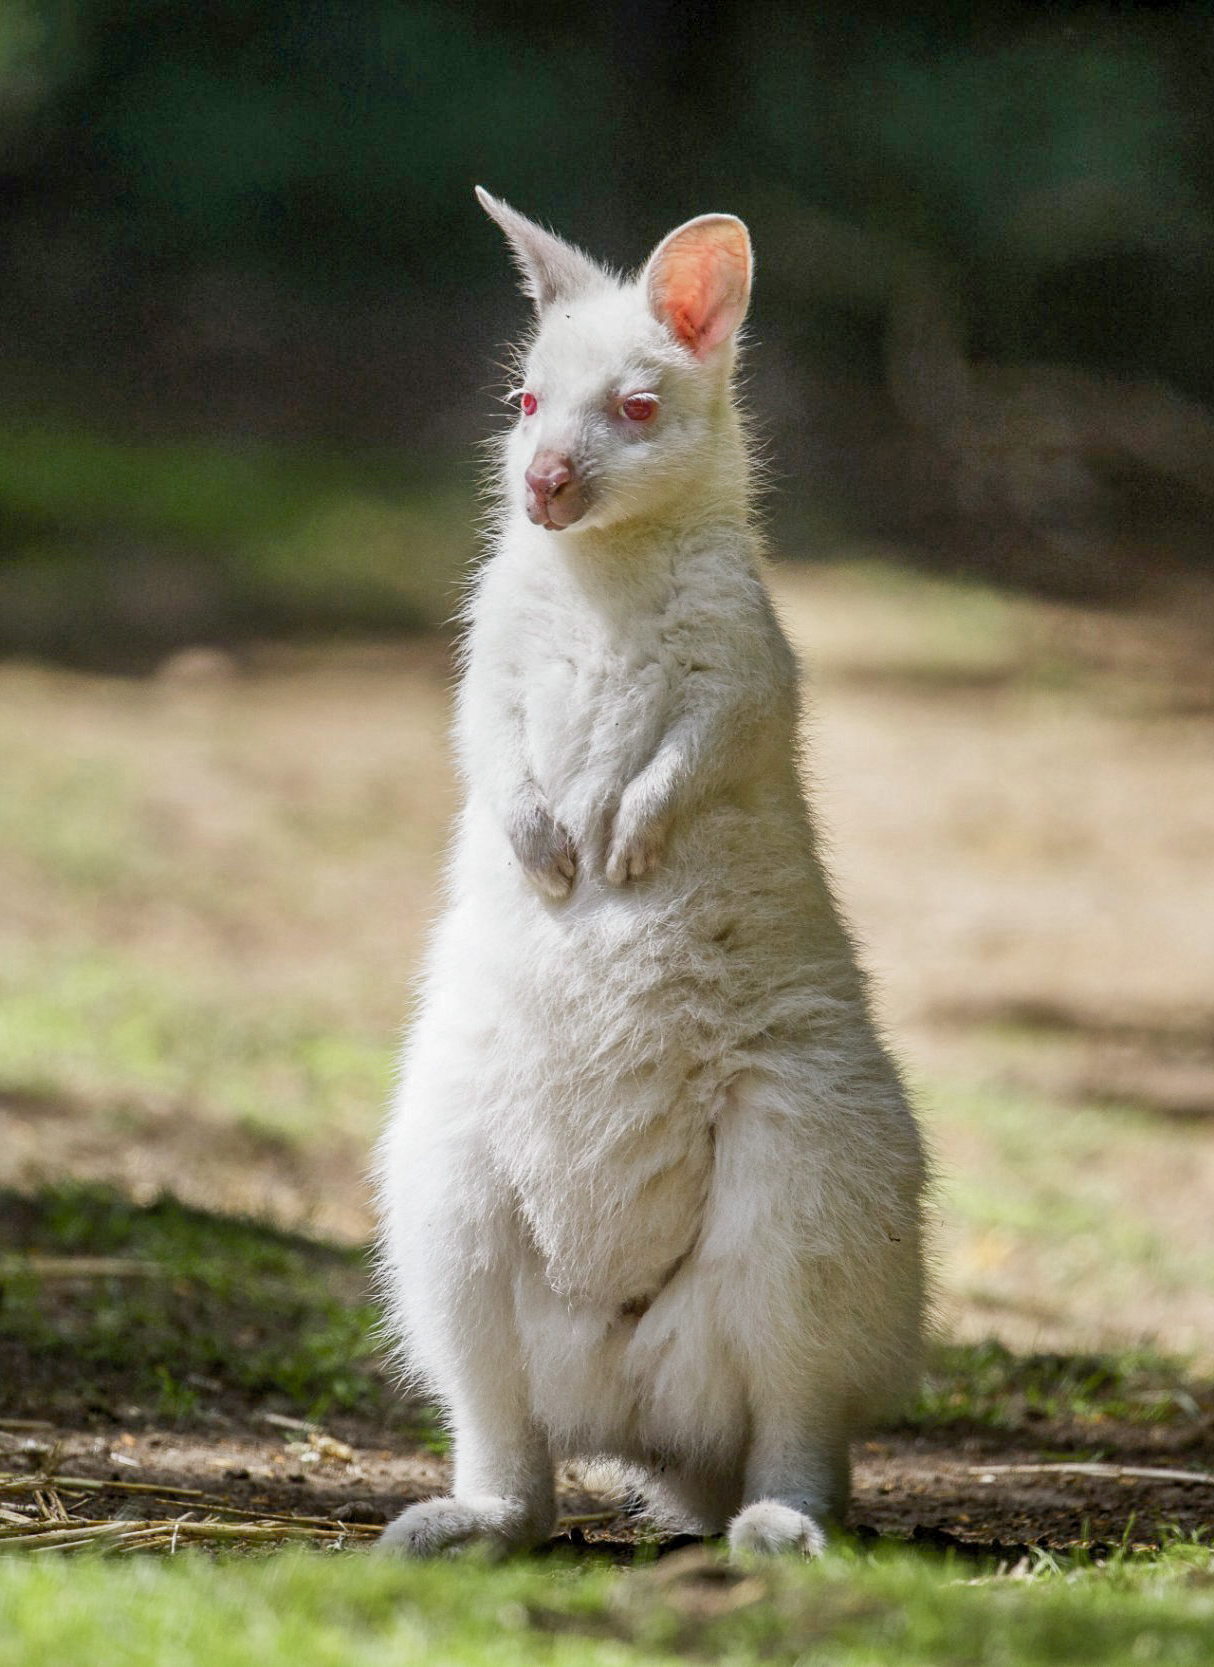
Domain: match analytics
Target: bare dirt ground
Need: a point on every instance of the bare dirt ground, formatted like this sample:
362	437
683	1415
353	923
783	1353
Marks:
978	1492
1020	804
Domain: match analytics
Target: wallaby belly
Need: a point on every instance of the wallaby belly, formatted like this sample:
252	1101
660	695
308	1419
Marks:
617	1020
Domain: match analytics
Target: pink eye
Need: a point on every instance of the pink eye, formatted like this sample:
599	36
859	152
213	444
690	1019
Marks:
638	408
529	404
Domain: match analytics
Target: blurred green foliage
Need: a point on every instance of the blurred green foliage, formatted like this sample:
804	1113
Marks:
335	143
257	221
118	551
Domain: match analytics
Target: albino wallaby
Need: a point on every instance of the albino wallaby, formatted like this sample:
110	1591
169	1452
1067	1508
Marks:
651	1186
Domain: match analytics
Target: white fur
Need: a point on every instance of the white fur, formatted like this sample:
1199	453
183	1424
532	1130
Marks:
651	1186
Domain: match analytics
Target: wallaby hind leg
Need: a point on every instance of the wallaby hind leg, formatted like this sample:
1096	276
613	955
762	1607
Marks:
798	1478
461	1314
502	1492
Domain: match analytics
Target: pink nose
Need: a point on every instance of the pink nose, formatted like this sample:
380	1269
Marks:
548	473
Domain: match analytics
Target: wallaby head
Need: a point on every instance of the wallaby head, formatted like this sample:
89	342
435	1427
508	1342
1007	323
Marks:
625	407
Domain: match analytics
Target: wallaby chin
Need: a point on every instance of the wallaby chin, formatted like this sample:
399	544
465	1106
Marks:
650	1187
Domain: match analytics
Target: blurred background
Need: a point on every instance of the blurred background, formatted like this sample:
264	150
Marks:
252	320
250	310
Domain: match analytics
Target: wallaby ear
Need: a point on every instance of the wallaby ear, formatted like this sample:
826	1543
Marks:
550	267
698	281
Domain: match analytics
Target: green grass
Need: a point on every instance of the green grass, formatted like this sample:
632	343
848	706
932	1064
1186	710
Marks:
887	623
988	1385
102	1030
224	1307
1070	1217
870	1610
230	1312
301	1313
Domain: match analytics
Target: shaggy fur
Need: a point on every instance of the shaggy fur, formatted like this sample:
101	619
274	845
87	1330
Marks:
651	1187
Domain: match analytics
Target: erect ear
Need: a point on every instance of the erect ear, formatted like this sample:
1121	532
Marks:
550	267
698	281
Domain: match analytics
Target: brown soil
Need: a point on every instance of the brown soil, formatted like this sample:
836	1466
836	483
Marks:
940	1488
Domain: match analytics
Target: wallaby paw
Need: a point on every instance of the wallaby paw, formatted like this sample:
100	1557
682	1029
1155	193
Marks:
767	1527
636	846
632	861
544	848
445	1525
555	877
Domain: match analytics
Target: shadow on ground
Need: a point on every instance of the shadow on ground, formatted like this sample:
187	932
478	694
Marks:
158	1347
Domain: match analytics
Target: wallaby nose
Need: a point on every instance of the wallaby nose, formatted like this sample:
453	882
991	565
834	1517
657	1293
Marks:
549	471
554	493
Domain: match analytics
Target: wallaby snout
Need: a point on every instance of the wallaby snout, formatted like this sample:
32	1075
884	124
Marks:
554	493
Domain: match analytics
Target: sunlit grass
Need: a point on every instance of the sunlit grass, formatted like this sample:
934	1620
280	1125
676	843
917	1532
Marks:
872	619
852	1607
1063	1214
105	1031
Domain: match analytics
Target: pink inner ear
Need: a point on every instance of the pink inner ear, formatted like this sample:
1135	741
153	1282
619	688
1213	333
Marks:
700	285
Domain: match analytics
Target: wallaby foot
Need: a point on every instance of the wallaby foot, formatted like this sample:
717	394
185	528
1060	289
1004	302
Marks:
443	1525
767	1527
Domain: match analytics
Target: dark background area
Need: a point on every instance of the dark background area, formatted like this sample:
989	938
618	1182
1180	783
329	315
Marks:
251	312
